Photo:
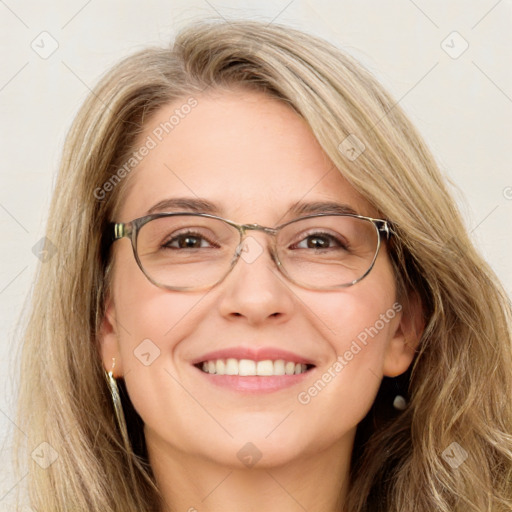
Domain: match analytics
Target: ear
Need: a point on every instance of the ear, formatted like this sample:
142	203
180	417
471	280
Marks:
109	339
406	338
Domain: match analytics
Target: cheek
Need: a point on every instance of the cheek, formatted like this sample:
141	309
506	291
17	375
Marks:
145	311
150	322
365	320
364	314
358	324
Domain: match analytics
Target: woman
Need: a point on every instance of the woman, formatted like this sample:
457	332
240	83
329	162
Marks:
180	356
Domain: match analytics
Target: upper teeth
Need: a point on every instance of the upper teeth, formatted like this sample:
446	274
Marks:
246	367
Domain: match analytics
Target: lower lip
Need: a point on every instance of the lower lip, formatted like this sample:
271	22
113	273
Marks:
254	383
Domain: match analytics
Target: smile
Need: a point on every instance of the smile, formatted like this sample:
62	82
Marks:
249	367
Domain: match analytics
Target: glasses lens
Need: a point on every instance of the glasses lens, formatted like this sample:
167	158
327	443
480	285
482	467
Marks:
186	251
328	251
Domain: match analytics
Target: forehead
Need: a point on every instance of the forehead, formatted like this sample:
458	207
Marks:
248	153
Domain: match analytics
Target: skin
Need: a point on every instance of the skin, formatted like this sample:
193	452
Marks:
255	157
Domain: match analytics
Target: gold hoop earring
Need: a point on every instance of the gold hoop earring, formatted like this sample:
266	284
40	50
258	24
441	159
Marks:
118	407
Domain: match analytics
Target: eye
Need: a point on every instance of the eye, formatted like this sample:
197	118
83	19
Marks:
186	240
322	241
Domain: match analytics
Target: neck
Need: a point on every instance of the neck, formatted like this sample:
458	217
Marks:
314	482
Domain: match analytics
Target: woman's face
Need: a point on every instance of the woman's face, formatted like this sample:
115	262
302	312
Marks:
254	157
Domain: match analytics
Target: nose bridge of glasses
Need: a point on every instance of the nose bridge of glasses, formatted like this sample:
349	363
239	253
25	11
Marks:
258	227
251	250
245	228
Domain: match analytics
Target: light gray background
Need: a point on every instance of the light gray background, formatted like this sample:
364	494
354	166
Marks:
460	102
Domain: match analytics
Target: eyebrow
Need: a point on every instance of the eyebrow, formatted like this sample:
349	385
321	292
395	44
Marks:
199	205
303	208
185	204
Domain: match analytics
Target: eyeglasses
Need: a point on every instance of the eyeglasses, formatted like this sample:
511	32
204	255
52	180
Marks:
196	251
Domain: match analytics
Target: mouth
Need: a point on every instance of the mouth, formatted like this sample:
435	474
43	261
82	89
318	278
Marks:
253	370
251	367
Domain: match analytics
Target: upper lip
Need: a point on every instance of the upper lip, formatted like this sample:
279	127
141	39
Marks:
256	354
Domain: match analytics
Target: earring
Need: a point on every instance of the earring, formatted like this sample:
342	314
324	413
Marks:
399	403
118	407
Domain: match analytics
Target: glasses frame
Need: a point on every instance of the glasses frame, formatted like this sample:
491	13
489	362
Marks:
119	230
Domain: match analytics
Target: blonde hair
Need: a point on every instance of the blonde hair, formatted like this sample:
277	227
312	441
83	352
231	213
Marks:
460	383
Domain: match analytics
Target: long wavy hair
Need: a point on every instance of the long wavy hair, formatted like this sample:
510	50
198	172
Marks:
459	386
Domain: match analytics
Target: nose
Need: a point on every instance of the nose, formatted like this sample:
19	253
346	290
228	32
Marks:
255	290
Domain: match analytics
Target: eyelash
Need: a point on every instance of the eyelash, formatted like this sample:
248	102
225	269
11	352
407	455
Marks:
328	236
174	237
